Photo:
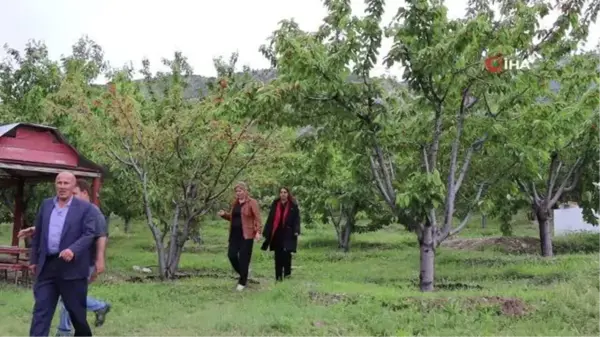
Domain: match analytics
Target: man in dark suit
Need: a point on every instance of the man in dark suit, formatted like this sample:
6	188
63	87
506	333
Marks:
60	257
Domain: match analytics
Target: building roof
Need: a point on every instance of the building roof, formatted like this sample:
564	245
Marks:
30	169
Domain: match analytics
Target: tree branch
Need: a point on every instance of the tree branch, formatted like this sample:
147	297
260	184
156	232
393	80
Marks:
435	144
382	178
523	187
465	220
553	173
563	185
131	159
465	166
386	175
425	160
535	192
211	197
451	193
224	161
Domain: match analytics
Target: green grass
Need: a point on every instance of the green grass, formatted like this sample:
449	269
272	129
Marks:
370	291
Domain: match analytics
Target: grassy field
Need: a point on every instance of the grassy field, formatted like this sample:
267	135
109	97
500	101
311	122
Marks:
490	288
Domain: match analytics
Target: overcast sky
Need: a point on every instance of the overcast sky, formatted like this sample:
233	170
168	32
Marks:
129	30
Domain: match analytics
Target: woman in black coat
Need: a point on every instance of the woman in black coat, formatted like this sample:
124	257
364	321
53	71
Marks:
281	232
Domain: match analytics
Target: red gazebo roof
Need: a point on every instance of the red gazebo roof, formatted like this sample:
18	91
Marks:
39	152
30	153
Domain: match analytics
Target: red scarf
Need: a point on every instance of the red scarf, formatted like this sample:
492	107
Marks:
278	217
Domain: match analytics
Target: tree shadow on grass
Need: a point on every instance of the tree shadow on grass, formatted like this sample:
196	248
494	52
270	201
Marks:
540	280
188	249
413	283
512	275
357	245
473	261
191	273
456	286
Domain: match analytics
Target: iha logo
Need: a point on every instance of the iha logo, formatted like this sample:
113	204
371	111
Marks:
494	64
499	63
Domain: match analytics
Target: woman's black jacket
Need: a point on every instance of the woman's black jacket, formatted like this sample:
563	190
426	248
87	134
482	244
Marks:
290	226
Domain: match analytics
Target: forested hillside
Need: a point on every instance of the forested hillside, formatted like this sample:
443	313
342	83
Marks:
198	86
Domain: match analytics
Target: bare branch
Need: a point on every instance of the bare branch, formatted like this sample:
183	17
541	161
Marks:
465	220
225	160
435	144
465	166
197	213
575	179
565	181
211	197
382	177
531	193
425	161
120	159
451	193
387	180
555	166
131	159
535	193
523	187
381	185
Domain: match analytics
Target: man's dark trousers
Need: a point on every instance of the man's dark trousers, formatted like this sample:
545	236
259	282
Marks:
48	288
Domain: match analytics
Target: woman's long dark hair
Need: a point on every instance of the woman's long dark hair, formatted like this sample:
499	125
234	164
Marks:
290	195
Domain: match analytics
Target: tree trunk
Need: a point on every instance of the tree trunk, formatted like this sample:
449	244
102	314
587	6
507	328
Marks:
347	233
126	226
427	261
173	247
348	218
340	238
173	265
338	231
162	259
156	234
483	221
545	234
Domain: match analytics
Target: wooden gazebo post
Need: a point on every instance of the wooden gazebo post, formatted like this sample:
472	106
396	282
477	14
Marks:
18	213
96	191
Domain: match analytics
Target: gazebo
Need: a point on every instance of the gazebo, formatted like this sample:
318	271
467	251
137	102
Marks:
29	154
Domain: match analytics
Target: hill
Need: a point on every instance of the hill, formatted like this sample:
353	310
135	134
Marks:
198	84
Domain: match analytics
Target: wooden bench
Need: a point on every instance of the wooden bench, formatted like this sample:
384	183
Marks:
17	261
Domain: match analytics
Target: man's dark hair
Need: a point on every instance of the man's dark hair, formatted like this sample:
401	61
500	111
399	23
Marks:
84	186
